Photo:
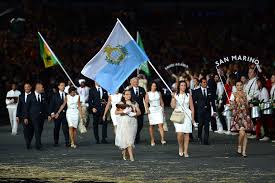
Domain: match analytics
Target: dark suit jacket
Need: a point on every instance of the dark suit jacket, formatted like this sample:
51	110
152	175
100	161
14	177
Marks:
35	110
203	104
21	106
55	104
139	98
95	101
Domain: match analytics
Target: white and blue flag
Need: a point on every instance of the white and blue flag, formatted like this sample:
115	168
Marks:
116	60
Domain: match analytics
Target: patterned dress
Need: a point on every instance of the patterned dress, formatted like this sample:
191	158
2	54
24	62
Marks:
240	116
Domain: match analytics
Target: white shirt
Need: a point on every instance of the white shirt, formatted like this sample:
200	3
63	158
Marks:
252	89
202	90
26	95
136	90
272	93
83	93
100	90
37	96
12	93
62	93
263	95
220	90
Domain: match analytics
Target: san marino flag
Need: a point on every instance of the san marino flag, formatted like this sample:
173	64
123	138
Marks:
117	59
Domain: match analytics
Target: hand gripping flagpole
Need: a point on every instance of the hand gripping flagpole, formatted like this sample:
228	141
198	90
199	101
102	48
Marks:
57	60
222	84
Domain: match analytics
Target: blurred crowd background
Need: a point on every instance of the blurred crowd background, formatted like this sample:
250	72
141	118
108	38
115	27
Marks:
196	33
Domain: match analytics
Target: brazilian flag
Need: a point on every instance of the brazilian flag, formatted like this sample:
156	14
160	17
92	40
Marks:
46	53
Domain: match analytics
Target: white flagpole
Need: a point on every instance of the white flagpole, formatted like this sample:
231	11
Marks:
57	59
223	84
137	42
184	110
167	86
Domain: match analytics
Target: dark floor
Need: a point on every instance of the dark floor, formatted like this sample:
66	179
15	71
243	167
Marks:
217	162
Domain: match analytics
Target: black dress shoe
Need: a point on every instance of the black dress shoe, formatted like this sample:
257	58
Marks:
206	143
104	141
28	146
55	145
97	142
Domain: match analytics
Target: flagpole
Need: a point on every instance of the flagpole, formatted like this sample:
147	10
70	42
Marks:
154	68
137	41
223	84
167	87
57	59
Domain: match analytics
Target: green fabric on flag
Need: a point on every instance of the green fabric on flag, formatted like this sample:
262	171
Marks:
46	54
143	67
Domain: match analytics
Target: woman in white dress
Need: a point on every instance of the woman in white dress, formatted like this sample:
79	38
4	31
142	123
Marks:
182	102
73	113
154	106
112	101
127	124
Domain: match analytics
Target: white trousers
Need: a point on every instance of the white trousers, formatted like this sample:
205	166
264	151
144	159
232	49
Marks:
12	116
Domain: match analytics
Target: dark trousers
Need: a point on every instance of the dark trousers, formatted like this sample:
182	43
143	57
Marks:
140	126
265	119
213	123
204	121
38	125
57	124
28	132
98	120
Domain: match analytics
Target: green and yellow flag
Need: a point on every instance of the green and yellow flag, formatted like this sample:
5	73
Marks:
143	67
46	53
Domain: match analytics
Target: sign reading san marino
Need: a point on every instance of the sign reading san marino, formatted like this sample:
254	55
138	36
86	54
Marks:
237	58
115	55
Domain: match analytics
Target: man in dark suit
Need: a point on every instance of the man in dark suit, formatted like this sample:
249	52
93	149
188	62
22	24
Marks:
27	127
56	101
203	100
138	95
36	112
98	98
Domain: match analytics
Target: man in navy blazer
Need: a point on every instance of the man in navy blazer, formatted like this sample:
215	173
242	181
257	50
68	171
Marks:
36	112
203	99
56	101
98	98
27	128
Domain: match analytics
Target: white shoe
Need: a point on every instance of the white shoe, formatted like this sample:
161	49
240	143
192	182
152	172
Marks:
252	137
233	133
153	144
220	131
264	139
273	141
216	131
228	133
163	142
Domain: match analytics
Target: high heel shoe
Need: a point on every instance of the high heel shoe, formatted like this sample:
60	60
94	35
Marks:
180	154
239	151
153	144
186	155
124	156
132	159
73	146
244	155
163	142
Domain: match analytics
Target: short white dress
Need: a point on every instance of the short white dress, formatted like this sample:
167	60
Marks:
126	131
183	99
116	98
156	111
72	113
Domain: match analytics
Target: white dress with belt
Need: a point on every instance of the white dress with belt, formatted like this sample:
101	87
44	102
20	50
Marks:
183	99
72	113
116	98
156	111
